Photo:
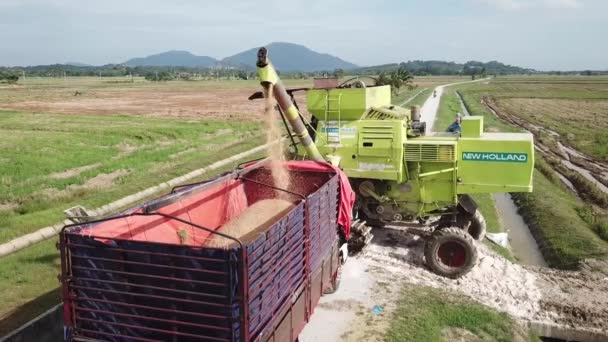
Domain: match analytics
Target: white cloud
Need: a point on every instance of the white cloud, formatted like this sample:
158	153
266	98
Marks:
517	5
506	5
562	3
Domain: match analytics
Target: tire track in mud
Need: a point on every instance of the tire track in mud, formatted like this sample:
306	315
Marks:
588	167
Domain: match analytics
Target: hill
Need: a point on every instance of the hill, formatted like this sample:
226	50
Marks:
173	58
78	64
288	57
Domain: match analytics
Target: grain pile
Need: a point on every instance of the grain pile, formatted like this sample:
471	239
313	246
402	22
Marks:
251	221
280	175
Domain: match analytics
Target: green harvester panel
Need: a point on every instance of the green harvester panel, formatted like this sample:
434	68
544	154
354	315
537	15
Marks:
346	103
495	162
472	126
367	148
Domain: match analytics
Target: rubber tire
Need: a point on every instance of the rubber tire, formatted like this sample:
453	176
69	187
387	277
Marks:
335	282
478	226
438	238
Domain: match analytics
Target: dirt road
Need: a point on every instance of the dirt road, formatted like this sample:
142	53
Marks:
431	105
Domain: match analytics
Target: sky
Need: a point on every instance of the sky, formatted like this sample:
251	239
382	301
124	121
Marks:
539	34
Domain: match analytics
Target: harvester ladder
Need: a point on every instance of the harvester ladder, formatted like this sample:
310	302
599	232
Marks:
332	127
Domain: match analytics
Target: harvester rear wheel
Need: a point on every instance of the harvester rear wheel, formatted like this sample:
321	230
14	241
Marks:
477	229
474	224
450	252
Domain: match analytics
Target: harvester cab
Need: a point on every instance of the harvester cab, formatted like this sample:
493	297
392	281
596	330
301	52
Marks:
403	177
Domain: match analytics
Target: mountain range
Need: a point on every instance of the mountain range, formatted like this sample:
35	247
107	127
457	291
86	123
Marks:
285	57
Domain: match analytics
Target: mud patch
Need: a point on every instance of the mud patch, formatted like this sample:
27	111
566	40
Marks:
73	172
219	132
459	335
105	180
181	153
576	299
8	206
101	181
126	149
342	305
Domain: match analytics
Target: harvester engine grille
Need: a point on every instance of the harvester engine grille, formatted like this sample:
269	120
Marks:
430	152
382	113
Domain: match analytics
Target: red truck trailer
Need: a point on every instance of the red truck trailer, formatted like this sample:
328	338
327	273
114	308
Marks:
145	274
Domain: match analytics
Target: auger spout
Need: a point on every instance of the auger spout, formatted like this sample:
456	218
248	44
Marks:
268	76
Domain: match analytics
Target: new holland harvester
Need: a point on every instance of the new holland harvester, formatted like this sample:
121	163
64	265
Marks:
403	176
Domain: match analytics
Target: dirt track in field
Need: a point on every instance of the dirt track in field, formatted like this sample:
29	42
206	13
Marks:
201	103
591	168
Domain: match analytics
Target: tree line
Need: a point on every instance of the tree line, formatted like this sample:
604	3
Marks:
385	72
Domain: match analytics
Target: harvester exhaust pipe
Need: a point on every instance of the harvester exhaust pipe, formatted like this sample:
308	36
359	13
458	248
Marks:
269	77
415	110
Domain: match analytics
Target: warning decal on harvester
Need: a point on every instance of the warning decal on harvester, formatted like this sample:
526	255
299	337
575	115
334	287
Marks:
495	157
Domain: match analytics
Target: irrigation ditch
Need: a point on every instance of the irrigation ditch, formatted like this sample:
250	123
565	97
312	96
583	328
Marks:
577	300
522	243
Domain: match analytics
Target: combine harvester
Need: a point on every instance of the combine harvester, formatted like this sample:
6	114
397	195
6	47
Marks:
401	177
170	270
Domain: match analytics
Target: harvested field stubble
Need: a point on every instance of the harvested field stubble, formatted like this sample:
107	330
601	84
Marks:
581	123
212	100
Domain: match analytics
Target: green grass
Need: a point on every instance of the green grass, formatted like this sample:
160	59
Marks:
596	219
426	314
28	283
415	97
28	278
33	147
36	147
551	212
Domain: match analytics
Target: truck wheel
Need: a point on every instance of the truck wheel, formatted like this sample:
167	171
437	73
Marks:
335	280
450	252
